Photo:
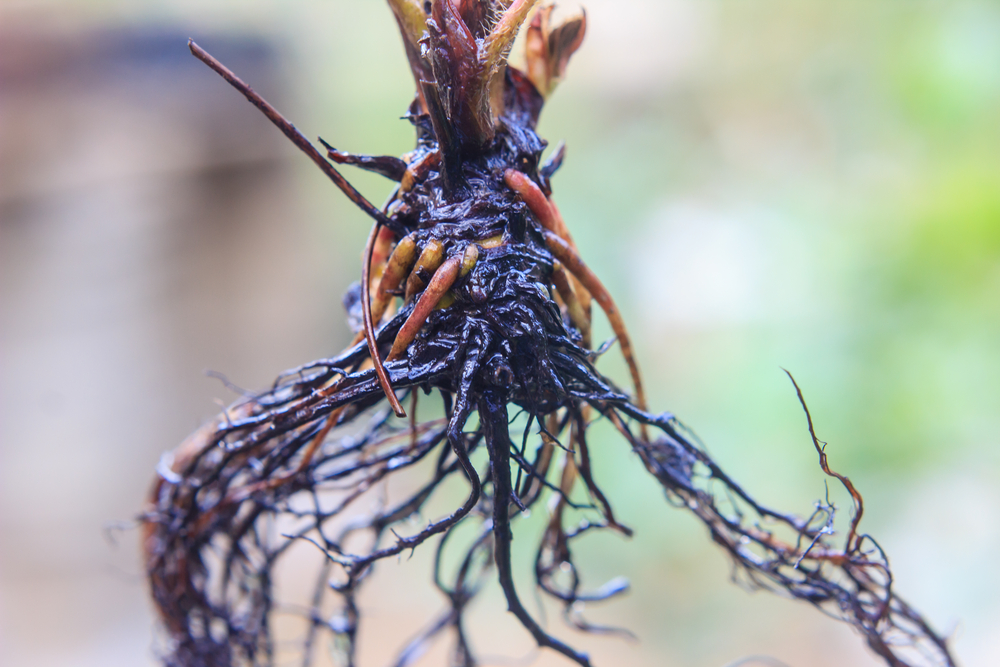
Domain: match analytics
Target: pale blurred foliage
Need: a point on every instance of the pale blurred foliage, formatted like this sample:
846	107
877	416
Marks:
808	185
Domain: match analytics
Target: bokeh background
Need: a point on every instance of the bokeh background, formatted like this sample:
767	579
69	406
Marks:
779	184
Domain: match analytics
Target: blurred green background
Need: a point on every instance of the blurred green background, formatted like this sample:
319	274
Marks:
777	184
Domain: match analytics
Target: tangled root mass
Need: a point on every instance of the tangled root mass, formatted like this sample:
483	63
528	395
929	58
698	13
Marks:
504	331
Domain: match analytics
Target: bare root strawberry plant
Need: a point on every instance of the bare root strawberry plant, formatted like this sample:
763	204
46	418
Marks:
472	292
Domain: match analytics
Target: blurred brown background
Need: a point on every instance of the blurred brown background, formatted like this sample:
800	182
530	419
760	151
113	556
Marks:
808	185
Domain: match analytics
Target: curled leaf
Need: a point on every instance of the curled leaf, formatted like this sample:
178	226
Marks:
412	23
548	49
495	47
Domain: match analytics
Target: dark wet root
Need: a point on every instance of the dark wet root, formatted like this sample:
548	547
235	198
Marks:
494	321
217	530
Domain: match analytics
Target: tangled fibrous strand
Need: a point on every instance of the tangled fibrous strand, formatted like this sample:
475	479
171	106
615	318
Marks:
494	314
213	544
